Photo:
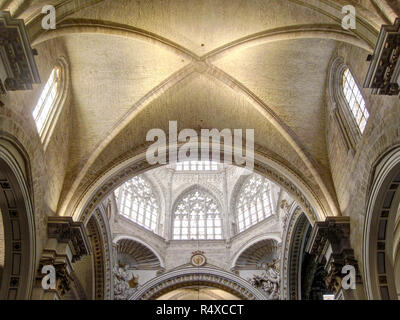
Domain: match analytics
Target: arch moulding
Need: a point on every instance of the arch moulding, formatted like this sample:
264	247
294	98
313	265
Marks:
382	212
138	164
194	276
19	228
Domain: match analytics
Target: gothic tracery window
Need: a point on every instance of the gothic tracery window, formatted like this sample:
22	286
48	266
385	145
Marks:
254	203
197	216
355	100
137	201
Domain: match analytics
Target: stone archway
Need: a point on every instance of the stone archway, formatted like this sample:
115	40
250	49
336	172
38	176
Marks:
205	276
100	237
115	176
19	227
293	243
381	232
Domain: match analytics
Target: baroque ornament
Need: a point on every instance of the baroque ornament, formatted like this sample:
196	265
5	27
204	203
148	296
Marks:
198	259
269	281
125	284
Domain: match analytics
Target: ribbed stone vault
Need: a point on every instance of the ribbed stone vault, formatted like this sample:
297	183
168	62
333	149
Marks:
242	78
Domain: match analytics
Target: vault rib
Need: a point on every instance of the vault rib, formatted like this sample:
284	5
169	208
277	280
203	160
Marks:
329	32
282	128
153	94
82	26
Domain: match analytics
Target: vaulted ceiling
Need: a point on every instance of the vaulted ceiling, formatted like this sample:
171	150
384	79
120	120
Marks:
258	64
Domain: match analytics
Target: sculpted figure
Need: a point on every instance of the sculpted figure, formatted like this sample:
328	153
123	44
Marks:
124	284
269	281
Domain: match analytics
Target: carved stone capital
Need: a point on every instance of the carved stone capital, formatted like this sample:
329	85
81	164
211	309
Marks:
383	75
330	243
63	275
65	230
67	242
18	70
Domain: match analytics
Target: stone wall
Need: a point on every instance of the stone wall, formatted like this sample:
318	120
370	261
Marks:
352	171
2	246
47	168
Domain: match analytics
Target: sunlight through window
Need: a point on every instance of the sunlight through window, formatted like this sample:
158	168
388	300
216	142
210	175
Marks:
137	202
254	203
355	100
46	102
197	216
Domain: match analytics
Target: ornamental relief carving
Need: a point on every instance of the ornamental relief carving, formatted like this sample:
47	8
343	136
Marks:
195	279
107	252
269	281
198	259
125	283
287	231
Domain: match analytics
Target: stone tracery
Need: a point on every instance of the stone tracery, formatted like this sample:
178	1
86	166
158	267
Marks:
136	201
320	163
254	203
197	216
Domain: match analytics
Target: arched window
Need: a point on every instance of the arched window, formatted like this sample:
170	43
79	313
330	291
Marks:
197	216
137	201
355	100
51	100
46	101
254	202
